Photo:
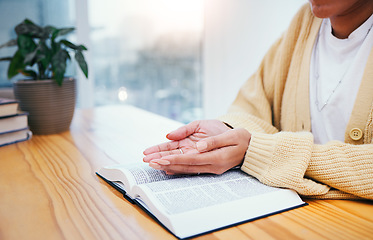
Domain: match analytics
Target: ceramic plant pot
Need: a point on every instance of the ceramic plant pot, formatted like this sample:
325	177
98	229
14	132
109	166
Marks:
50	106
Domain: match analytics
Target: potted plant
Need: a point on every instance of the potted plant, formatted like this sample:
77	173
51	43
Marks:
46	94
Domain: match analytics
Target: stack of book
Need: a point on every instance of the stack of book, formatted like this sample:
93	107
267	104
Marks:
13	124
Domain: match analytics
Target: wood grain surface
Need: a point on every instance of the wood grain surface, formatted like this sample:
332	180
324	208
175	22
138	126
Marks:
49	190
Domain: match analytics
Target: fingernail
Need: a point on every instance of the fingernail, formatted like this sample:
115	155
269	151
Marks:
155	165
201	146
163	162
168	134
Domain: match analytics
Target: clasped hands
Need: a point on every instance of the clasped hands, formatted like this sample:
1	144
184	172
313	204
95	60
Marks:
207	146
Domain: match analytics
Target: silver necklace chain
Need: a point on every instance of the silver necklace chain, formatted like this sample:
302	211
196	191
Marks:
317	76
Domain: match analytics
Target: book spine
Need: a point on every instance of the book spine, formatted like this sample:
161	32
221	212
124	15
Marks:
29	136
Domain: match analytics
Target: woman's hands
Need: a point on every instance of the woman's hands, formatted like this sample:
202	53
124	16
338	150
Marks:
207	146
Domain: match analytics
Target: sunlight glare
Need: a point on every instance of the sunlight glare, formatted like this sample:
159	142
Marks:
122	94
177	14
162	15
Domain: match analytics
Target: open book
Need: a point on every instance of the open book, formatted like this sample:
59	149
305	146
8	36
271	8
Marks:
192	205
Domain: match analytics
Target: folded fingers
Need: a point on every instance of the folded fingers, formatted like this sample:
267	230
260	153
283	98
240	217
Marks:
163	147
159	155
208	162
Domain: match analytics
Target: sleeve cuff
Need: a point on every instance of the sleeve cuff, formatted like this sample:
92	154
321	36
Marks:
281	160
258	157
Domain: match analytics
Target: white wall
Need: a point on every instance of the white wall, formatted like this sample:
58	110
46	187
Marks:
237	35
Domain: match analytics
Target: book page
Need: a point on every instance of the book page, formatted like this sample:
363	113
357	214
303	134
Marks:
205	190
189	205
129	175
142	173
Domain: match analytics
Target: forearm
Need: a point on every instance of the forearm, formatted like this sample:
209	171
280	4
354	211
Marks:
346	167
291	160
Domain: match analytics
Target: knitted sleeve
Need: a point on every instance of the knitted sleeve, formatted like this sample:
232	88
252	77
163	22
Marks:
290	159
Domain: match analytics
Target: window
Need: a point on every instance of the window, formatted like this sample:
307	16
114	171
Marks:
147	53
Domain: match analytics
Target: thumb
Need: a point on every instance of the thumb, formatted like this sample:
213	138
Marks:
183	132
213	142
202	146
225	139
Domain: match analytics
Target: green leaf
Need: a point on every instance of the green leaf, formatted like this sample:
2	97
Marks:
28	21
59	65
69	44
54	35
55	46
44	55
73	46
60	32
64	31
37	47
26	44
16	65
29	28
49	29
38	55
30	58
82	48
30	73
82	63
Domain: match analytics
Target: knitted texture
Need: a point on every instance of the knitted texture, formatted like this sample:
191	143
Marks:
273	105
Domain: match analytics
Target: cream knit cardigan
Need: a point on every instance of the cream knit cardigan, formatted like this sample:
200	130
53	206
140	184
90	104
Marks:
274	106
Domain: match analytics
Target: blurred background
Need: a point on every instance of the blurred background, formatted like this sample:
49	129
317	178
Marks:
183	59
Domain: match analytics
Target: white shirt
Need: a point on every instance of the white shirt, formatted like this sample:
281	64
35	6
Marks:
336	65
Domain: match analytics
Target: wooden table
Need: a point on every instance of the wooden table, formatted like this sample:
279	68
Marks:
49	190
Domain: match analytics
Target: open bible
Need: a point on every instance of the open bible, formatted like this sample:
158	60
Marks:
190	205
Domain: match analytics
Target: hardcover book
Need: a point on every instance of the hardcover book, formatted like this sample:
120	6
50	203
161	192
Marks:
8	107
13	123
14	137
191	205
